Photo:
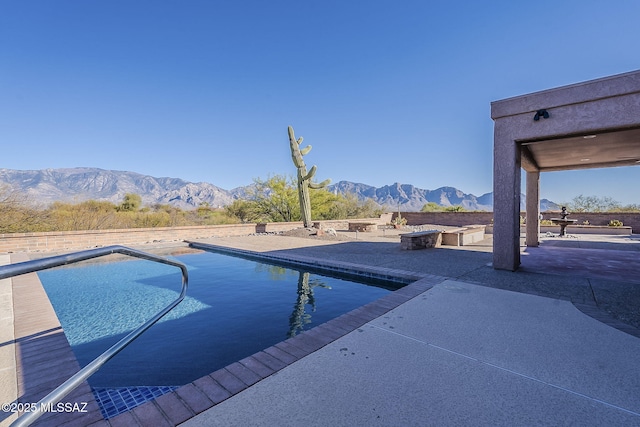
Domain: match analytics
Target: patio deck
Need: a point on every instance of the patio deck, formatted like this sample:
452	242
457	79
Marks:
466	344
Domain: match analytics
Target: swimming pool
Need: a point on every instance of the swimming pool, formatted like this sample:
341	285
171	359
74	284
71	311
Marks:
234	308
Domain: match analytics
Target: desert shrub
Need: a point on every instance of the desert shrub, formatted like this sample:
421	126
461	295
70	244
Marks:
583	203
275	200
18	214
455	208
242	210
432	207
87	215
130	203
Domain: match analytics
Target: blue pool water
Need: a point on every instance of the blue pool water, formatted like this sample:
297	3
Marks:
234	308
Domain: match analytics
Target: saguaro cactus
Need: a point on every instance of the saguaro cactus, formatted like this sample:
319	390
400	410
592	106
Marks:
304	177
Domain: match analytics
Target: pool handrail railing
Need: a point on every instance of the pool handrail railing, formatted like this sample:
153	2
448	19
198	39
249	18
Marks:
51	399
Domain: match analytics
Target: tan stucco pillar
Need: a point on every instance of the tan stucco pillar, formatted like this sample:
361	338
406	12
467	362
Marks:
533	208
506	200
598	120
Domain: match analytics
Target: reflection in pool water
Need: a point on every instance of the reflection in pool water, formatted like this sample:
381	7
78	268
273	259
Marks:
234	308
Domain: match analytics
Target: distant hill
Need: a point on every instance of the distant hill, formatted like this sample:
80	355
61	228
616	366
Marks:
410	199
78	184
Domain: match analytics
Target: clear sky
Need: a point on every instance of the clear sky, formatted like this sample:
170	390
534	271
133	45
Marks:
384	91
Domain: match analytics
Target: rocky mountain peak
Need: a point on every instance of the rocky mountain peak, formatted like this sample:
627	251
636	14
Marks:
78	184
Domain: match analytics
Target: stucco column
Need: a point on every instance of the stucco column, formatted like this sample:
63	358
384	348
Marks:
506	199
533	208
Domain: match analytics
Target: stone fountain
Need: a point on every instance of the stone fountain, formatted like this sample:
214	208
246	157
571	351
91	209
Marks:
563	221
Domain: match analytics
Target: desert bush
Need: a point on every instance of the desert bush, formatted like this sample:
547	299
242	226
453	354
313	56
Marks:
583	203
434	207
88	215
276	200
18	214
130	203
243	210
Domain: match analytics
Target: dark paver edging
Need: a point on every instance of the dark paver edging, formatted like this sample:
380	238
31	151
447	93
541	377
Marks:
321	265
204	393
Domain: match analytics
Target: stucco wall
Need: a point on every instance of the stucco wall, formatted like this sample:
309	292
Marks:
629	219
63	240
468	218
447	218
77	240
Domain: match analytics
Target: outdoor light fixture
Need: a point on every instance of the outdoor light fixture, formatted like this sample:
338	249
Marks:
541	113
589	136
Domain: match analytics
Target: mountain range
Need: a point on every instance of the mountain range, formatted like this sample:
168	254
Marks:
79	184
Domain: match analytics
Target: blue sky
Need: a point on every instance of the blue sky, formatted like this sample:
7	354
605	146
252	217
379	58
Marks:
384	91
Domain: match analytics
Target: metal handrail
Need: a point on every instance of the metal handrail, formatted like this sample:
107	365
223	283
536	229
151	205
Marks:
42	264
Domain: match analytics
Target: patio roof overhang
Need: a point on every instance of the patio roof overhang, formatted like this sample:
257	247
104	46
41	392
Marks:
595	124
583	151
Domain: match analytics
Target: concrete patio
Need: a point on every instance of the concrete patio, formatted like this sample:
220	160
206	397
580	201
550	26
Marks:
464	345
459	354
466	351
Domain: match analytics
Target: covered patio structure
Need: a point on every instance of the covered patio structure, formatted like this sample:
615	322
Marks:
595	124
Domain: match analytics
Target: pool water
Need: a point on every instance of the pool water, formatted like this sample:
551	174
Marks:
234	307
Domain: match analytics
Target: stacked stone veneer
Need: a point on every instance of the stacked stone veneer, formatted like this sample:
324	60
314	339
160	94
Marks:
421	240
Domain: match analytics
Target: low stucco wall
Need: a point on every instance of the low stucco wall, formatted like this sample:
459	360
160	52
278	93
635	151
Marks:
629	219
585	229
63	240
459	219
74	240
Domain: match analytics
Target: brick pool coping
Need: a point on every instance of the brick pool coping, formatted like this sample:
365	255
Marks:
204	393
45	359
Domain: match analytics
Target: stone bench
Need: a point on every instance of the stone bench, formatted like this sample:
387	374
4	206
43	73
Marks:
463	235
421	240
363	226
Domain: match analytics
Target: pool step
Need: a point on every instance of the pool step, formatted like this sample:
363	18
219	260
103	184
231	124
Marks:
114	401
